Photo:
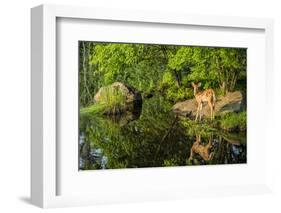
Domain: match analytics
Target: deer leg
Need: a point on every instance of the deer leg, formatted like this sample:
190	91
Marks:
201	106
211	109
197	110
212	113
198	138
209	145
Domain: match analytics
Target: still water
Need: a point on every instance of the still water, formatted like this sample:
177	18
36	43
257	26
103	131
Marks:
153	136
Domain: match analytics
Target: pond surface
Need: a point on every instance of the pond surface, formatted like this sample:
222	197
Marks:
153	136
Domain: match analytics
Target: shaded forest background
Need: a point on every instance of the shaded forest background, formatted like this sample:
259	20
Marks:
164	69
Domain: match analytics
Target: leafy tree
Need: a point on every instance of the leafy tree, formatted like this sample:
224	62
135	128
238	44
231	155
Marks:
166	69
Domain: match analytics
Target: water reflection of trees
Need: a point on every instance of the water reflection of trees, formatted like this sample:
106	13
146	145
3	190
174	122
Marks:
154	138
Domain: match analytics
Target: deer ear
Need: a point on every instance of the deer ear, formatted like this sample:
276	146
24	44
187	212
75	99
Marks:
192	84
199	84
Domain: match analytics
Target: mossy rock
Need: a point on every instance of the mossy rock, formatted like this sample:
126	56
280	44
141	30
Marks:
118	98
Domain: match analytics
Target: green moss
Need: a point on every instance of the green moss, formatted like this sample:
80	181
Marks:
113	100
234	121
93	109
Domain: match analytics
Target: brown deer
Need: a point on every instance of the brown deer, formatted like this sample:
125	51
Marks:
208	96
202	150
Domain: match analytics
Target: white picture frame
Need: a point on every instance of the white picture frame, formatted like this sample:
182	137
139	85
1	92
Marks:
44	153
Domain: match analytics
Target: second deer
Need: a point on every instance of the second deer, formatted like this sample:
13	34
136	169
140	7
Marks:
206	96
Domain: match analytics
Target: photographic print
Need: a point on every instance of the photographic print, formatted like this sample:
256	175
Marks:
152	105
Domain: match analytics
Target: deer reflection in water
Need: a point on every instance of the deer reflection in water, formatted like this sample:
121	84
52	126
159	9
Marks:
203	150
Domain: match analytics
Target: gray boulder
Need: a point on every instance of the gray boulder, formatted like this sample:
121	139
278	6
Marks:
231	102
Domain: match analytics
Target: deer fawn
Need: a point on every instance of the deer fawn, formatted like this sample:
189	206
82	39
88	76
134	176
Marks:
208	96
202	150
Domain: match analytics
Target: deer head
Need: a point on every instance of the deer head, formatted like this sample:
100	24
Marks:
195	87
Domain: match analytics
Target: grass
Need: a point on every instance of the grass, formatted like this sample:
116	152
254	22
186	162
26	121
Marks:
234	121
231	122
195	127
112	101
93	109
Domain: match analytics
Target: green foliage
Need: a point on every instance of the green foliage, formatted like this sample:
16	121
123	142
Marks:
170	162
166	69
195	128
175	94
171	91
182	58
234	121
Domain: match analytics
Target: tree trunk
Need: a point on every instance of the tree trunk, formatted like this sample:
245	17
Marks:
85	69
178	78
